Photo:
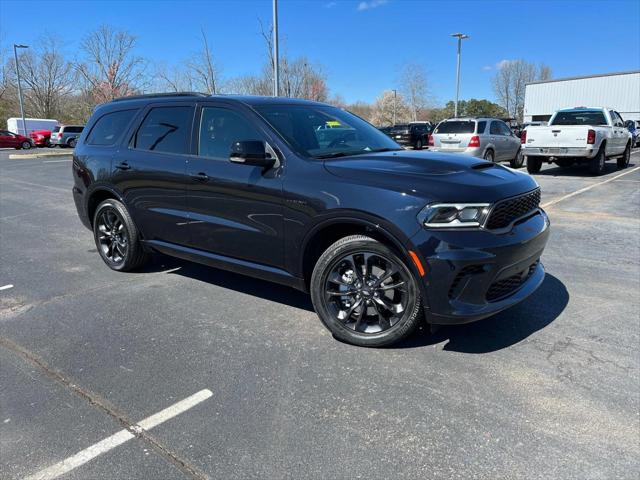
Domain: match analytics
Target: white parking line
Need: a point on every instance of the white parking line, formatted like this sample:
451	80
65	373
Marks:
109	443
6	287
582	190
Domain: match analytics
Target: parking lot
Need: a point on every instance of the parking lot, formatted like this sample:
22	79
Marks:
184	371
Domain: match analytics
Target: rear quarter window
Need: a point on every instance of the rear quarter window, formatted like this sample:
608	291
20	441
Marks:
110	127
481	127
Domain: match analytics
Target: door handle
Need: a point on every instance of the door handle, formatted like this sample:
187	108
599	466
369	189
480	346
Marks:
123	166
200	177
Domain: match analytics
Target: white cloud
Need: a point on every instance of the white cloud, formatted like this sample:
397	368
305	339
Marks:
330	4
503	63
486	68
362	6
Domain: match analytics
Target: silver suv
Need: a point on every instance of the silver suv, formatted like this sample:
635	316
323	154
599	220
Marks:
488	138
66	135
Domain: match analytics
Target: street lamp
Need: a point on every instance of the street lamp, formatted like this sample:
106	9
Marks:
15	53
395	103
276	62
460	37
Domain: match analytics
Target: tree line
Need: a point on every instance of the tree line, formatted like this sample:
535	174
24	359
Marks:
108	66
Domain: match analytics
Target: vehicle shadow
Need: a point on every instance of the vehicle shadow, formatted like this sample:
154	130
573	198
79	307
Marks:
502	330
229	280
581	170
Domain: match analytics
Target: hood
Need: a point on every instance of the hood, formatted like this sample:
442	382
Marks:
437	176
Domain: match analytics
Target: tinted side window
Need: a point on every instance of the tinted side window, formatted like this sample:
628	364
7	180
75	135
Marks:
72	129
494	129
109	127
165	129
219	128
504	129
481	126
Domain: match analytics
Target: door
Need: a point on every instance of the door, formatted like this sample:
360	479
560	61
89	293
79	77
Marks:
621	132
498	140
8	139
510	141
151	172
236	210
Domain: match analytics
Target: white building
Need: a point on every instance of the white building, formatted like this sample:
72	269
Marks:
620	91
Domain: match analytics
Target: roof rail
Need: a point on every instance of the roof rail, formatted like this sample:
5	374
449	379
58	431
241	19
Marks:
161	95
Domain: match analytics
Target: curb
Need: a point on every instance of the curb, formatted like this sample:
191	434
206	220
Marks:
18	156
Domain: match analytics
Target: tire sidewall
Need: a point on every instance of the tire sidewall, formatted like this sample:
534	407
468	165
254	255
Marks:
25	145
120	210
489	156
518	160
318	281
534	164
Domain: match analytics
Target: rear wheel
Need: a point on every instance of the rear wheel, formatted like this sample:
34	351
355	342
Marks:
364	293
117	237
623	161
518	160
596	164
489	155
419	144
72	143
534	164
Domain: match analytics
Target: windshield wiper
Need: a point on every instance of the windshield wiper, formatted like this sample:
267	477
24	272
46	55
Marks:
336	155
383	150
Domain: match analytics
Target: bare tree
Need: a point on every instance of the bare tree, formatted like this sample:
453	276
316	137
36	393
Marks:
47	78
413	84
201	70
510	82
111	68
388	107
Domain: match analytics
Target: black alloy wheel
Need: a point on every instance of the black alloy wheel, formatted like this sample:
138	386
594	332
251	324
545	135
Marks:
364	293
623	161
116	237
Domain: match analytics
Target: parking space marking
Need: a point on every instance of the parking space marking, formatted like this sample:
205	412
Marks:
582	190
6	287
109	443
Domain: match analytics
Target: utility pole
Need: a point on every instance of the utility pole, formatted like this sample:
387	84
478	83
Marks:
276	61
395	103
15	53
460	37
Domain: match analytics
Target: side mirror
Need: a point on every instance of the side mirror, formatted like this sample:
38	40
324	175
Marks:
251	152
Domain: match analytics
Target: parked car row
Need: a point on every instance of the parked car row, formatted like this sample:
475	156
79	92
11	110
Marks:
61	135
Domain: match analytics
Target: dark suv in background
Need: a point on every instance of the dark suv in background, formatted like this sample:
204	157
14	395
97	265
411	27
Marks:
414	134
378	235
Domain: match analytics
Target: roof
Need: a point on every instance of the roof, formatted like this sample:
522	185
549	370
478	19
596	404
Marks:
247	99
630	72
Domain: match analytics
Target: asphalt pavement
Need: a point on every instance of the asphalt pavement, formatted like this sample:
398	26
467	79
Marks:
232	377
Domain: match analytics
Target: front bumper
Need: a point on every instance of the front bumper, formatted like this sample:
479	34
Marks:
560	152
473	274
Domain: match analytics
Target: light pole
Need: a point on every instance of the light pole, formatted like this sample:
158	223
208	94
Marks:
15	53
460	37
395	103
276	62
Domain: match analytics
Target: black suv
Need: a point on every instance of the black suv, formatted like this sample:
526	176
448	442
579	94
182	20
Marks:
415	134
378	235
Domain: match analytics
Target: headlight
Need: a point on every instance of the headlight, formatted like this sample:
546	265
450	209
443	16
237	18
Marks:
453	215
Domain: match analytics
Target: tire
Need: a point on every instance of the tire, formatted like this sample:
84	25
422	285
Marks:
419	144
564	163
518	160
534	164
363	317
117	238
489	156
72	143
623	161
596	164
25	145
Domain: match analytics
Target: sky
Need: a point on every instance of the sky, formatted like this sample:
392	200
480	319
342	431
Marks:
360	44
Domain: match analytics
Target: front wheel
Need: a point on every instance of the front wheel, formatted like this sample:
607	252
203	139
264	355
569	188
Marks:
534	164
117	237
26	145
364	293
518	160
623	161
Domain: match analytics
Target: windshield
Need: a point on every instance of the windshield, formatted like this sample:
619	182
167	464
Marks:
457	126
582	117
323	132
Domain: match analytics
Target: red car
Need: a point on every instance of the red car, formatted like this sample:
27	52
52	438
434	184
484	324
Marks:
14	140
42	138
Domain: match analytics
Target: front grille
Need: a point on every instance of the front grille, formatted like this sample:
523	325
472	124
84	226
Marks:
506	211
507	286
468	270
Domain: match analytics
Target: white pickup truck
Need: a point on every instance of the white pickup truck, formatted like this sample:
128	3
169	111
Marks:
578	135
